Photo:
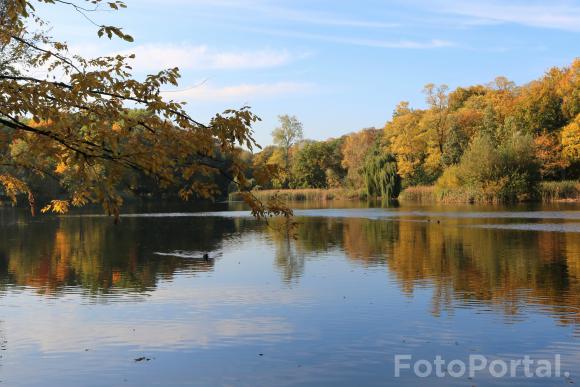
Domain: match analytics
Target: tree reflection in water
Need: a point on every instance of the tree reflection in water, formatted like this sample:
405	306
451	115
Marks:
97	256
465	266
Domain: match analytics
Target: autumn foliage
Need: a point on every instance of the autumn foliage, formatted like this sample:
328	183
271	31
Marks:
89	125
492	142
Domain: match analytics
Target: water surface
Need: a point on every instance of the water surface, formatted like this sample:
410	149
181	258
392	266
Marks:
86	302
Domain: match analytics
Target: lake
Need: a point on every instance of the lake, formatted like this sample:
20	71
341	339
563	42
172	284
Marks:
329	302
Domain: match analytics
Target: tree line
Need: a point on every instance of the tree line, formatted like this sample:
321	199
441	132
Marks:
491	142
69	130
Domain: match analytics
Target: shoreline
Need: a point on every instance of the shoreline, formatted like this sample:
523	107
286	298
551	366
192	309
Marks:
549	192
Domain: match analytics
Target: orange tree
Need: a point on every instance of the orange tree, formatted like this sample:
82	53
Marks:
76	124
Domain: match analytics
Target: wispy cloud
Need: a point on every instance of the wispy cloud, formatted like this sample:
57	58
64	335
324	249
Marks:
554	14
269	10
151	57
319	18
242	92
378	43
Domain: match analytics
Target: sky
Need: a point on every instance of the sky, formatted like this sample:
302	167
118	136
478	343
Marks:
339	65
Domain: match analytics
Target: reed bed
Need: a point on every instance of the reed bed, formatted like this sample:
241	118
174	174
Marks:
303	194
553	191
419	194
549	191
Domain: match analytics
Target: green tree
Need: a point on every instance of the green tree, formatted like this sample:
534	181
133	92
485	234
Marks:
454	146
288	134
491	172
318	165
380	175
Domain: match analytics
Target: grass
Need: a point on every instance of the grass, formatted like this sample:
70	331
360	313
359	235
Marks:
552	191
419	194
305	194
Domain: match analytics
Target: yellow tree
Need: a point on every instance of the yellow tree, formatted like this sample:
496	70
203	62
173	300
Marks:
83	121
281	160
571	140
538	106
407	139
438	101
569	90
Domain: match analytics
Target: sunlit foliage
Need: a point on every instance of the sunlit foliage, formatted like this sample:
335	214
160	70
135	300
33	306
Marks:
72	119
494	141
355	149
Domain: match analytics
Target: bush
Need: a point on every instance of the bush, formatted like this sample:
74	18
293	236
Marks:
492	172
448	182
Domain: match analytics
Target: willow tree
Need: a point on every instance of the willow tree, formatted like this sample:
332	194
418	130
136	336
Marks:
74	124
380	175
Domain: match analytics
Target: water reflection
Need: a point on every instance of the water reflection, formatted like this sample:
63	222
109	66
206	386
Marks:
53	255
328	302
509	270
466	266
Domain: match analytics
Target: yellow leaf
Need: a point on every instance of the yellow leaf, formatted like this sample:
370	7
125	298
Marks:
56	206
60	168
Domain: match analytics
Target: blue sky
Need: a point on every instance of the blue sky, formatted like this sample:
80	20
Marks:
339	66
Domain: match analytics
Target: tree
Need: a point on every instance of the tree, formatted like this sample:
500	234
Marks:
502	84
569	89
380	175
491	172
571	140
355	149
550	156
262	158
459	97
80	131
408	141
308	169
438	101
318	165
539	106
288	134
454	146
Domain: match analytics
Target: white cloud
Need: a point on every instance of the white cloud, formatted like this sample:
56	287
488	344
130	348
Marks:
243	92
545	14
409	44
75	329
154	57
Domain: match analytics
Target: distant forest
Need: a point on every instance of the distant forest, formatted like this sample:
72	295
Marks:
492	142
